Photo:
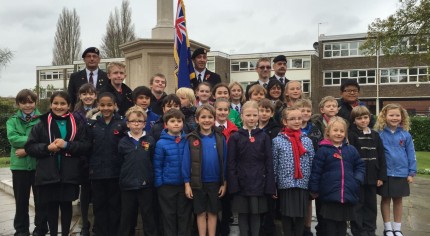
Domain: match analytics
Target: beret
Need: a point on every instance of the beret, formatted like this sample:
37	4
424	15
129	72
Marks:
90	50
197	52
279	58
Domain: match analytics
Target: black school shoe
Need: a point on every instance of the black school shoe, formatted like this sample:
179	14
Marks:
397	233
387	231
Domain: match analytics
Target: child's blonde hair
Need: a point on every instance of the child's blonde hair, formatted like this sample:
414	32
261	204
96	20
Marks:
287	99
135	110
242	98
249	104
219	100
334	120
115	64
188	93
288	109
381	122
327	99
357	112
303	102
206	107
257	88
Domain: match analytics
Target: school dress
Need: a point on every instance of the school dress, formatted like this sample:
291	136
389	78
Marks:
401	162
250	171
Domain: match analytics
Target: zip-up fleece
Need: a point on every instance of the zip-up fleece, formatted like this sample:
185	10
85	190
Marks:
337	173
399	152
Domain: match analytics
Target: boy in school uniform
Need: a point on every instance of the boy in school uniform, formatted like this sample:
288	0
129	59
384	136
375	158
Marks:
142	98
23	166
168	179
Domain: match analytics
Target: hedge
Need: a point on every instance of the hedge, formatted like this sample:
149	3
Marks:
420	131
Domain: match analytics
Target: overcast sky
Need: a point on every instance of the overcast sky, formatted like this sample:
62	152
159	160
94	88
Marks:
231	26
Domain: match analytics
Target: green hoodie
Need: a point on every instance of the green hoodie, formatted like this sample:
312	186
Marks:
17	134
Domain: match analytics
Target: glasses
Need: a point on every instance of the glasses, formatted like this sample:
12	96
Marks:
295	119
264	67
351	90
136	122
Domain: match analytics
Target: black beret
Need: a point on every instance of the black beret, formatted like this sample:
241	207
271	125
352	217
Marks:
198	51
279	58
92	50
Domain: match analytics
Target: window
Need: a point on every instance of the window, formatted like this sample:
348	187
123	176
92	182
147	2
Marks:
246	65
404	75
298	63
306	86
50	75
337	77
210	64
344	49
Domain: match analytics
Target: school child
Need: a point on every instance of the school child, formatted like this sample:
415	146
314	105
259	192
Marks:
256	93
311	131
22	165
222	110
203	94
393	126
136	178
123	94
237	96
371	149
168	179
337	173
105	130
186	95
87	95
292	160
221	91
203	169
266	122
293	92
250	171
142	98
275	93
328	108
57	142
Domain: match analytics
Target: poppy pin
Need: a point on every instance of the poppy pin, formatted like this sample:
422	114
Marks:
207	76
337	155
196	143
178	139
145	145
401	142
251	139
115	131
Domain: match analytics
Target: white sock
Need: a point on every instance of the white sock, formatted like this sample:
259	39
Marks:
387	226
397	227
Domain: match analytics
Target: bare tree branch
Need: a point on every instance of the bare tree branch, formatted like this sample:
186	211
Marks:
5	57
67	43
119	30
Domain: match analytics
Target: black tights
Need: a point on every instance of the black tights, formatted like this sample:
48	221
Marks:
249	223
293	226
66	217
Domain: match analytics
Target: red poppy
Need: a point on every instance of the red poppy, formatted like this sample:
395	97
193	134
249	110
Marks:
145	145
115	132
196	143
337	155
178	139
251	139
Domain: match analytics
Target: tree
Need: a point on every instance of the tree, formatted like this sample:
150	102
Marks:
119	30
5	57
406	32
67	45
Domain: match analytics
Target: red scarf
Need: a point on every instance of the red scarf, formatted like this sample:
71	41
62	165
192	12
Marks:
298	149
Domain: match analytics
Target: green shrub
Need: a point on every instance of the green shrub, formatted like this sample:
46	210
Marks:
420	131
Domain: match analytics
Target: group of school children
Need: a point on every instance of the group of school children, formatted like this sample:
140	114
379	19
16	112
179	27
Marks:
257	158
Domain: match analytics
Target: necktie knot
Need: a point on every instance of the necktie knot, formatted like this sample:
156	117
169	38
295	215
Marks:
265	85
282	80
237	108
199	78
222	127
27	117
91	79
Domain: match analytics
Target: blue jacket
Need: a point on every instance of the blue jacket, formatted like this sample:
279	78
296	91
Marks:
168	160
151	118
399	152
337	173
283	162
136	168
105	162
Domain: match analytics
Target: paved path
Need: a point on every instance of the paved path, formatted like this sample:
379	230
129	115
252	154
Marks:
416	210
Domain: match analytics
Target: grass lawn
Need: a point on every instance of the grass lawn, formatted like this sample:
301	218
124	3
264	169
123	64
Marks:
423	162
4	162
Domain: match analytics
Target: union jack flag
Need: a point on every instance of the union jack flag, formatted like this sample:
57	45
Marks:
184	70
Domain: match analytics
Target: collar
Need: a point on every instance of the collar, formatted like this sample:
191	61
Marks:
131	136
261	82
203	72
278	77
217	124
95	72
23	115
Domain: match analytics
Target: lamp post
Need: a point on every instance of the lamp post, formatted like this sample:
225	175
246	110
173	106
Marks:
377	77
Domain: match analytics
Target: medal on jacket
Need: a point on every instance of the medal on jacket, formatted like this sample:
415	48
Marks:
178	139
251	139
